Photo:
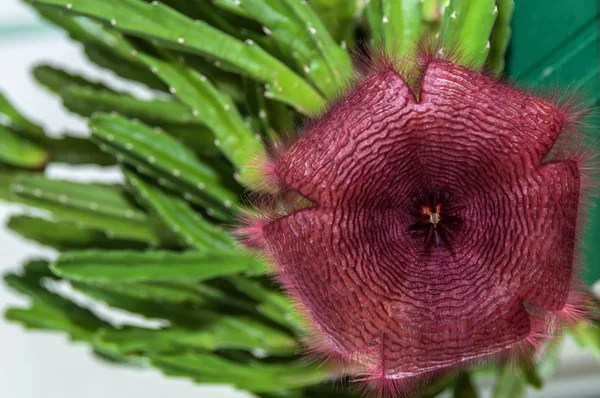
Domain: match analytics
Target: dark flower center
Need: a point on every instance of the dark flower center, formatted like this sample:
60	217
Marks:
435	222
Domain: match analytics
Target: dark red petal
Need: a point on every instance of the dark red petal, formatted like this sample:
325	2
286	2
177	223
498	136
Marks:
549	207
450	333
347	144
506	123
323	260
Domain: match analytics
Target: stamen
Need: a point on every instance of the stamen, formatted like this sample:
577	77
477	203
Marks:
434	218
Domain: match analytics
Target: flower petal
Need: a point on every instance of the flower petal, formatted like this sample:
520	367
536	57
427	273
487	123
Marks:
344	150
549	206
319	259
512	124
453	335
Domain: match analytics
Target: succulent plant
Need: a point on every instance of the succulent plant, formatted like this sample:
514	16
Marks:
231	81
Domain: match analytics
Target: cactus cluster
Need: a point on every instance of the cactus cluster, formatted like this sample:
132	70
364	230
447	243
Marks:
228	77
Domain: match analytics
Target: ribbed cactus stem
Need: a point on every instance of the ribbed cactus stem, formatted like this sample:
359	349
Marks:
401	26
431	11
466	27
500	36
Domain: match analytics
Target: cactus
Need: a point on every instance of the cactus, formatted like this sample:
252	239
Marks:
229	78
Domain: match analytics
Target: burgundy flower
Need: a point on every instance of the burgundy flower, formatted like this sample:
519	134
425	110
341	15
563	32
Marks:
438	230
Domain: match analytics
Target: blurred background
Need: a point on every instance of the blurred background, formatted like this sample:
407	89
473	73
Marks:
37	364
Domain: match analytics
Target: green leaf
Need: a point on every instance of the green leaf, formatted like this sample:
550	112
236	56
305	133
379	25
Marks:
11	118
123	67
40	317
172	29
399	24
272	304
157	154
233	7
297	29
181	218
134	266
86	102
588	337
532	375
64	236
210	106
76	151
201	140
86	98
56	80
93	36
509	384
49	310
225	333
466	27
95	206
374	13
550	360
166	292
72	150
328	389
214	109
560	45
19	152
204	368
233	25
339	16
109	49
191	306
465	388
52	312
500	36
137	298
227	83
7	178
431	12
438	385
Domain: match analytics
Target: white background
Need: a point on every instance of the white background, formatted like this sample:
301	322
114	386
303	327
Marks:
35	364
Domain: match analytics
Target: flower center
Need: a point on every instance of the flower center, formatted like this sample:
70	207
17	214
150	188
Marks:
435	224
434	218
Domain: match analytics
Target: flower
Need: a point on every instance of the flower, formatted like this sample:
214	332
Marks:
441	228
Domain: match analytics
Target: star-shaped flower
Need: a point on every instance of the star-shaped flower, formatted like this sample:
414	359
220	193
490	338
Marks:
438	232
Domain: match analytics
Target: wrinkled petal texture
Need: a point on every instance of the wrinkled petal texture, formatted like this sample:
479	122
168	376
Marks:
384	301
